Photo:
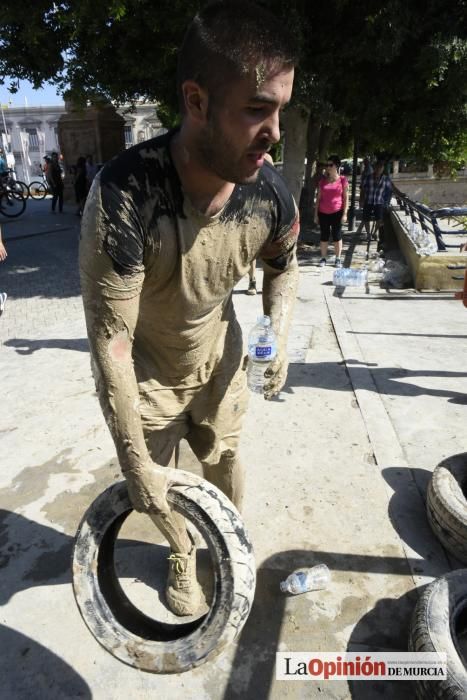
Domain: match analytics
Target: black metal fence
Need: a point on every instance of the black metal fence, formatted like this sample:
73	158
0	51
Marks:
429	219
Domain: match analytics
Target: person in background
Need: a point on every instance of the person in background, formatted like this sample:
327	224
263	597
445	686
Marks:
45	167
3	255
377	192
81	184
331	209
55	180
251	291
3	163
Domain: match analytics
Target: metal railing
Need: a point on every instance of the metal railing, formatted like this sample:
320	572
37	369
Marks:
428	218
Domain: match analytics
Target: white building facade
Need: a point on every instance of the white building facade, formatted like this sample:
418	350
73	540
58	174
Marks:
30	133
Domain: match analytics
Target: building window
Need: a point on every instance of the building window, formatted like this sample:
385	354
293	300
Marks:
128	135
33	139
56	135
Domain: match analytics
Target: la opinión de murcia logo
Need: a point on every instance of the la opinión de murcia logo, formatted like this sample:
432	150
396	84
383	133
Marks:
353	666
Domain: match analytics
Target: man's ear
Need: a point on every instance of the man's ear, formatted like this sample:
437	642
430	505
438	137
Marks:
196	100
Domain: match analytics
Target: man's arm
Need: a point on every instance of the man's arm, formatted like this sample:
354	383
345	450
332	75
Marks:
111	305
279	294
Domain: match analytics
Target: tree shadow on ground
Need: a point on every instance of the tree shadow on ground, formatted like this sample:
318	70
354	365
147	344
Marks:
24	346
387	380
30	670
44	266
32	555
371	634
382	627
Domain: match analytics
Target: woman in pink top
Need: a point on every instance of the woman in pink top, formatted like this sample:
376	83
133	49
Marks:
331	209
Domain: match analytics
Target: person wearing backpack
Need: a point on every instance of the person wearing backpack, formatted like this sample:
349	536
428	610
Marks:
331	209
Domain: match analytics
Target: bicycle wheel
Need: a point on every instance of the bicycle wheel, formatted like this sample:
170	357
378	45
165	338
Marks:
12	204
19	187
37	190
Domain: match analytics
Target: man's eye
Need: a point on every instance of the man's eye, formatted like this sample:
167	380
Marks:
255	110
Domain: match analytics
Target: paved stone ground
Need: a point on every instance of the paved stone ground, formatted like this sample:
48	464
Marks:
337	471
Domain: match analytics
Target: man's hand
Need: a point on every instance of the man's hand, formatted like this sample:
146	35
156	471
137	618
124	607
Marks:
276	374
147	488
3	252
344	217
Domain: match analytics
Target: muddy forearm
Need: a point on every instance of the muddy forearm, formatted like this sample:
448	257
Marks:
279	294
110	326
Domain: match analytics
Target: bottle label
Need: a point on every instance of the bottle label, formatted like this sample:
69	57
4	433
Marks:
263	351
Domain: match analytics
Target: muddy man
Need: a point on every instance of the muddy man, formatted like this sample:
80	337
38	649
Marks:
170	226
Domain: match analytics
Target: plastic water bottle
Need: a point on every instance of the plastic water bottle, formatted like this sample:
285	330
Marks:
350	277
262	349
340	276
314	579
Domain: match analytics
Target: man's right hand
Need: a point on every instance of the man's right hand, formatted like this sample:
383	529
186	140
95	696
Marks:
147	488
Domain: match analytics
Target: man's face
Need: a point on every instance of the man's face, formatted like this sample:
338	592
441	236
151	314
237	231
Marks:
379	170
242	127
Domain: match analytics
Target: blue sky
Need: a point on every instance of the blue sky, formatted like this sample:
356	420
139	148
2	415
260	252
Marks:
35	98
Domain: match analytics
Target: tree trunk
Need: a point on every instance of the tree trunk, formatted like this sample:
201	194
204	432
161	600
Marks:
295	124
309	187
325	136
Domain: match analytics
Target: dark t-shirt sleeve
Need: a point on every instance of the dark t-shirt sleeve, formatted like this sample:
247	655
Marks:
279	250
112	243
122	230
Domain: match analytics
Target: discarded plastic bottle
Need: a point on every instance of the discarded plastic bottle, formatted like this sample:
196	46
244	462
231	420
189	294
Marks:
314	579
262	349
340	276
350	277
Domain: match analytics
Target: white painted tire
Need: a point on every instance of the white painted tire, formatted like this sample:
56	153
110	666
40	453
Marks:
447	506
439	611
129	634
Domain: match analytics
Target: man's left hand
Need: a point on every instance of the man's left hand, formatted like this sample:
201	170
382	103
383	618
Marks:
276	374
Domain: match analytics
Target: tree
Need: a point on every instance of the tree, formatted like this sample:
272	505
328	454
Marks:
392	75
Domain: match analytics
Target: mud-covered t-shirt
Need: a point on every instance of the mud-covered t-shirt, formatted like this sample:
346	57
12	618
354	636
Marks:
142	236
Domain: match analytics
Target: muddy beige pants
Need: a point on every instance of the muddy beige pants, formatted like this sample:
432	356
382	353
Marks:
209	418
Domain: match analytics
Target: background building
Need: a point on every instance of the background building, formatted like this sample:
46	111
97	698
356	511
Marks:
30	133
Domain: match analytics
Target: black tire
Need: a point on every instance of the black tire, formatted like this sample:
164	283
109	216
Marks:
19	187
437	617
447	505
37	190
12	204
125	631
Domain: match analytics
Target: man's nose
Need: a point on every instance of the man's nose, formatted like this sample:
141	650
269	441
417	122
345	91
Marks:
272	126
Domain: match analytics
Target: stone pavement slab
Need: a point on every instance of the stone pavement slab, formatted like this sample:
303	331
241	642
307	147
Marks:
325	482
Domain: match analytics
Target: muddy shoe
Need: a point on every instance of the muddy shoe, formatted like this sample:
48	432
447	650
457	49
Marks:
251	288
183	592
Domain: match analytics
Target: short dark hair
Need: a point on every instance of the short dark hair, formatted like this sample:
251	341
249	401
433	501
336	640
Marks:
226	40
336	160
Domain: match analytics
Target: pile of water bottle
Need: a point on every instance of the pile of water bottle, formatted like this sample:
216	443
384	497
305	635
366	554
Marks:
423	242
350	277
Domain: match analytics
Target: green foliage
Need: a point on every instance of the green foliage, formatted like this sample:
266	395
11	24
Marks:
394	75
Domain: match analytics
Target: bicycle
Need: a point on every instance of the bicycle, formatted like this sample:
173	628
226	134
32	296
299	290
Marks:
38	189
14	185
12	202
